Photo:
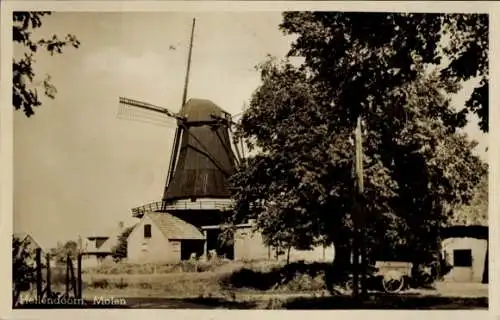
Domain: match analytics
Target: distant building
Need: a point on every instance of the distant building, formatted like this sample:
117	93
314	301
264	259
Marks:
465	248
97	250
33	245
25	237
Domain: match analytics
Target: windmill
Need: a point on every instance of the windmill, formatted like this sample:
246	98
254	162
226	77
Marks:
202	158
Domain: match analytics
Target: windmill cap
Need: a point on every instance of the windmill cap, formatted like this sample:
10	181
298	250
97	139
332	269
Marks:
201	110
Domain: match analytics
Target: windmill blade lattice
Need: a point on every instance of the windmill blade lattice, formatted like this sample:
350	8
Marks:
127	111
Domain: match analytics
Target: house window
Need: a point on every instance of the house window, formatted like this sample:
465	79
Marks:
147	231
462	258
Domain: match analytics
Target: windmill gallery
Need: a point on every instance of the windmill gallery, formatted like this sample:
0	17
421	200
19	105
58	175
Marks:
188	221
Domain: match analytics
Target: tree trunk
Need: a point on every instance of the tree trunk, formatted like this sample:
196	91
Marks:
341	265
288	254
15	297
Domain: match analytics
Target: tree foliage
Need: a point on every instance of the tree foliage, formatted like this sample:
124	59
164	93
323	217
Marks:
62	251
355	55
25	94
475	212
23	267
299	188
120	250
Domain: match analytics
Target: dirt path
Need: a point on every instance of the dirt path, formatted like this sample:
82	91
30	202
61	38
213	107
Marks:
446	296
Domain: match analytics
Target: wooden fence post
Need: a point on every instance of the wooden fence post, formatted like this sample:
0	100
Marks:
79	274
67	275
38	257
49	291
73	280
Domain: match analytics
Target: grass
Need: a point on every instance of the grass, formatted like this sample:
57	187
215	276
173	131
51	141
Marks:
252	276
236	285
156	268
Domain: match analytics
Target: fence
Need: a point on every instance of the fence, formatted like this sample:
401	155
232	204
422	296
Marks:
73	280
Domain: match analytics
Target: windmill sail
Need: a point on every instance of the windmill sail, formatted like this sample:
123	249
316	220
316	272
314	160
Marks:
205	158
136	113
178	130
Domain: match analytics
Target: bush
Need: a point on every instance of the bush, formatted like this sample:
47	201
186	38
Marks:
293	277
23	267
100	284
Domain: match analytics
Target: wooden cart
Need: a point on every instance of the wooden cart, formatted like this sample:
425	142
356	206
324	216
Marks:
394	274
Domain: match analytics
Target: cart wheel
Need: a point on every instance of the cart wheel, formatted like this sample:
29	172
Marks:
349	285
427	279
393	282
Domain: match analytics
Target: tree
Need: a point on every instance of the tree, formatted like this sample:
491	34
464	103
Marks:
355	55
62	251
120	250
25	95
474	213
468	56
299	188
23	267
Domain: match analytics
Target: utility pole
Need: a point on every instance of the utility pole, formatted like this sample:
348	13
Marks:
359	225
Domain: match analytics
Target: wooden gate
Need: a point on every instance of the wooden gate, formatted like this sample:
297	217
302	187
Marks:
73	278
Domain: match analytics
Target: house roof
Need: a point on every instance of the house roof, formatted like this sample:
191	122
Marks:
175	228
23	235
471	231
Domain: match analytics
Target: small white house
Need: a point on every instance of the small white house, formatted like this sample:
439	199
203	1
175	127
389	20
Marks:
249	245
97	250
162	237
465	248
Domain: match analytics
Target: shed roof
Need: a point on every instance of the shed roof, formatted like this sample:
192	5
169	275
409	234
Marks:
472	231
22	236
175	228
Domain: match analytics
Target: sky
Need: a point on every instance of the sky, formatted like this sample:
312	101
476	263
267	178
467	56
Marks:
78	167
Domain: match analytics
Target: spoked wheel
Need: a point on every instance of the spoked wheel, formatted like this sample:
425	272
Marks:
349	285
427	279
393	282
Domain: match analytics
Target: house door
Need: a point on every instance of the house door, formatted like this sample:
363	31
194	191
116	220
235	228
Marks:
190	247
223	247
462	265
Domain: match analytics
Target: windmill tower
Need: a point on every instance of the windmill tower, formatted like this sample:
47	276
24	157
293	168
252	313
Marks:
202	159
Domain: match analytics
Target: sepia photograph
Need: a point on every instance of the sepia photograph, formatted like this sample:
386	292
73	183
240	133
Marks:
250	160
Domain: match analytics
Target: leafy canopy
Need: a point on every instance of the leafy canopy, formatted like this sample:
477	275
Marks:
354	55
119	251
23	267
299	188
62	251
25	94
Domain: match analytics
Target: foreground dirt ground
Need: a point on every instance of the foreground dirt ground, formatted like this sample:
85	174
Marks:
445	296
